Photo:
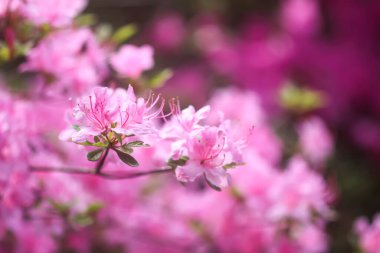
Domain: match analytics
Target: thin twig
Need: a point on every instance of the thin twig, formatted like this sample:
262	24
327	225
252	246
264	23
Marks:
110	175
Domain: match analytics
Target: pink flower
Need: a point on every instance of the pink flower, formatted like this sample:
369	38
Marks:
105	110
168	32
207	153
298	193
300	16
8	5
71	58
369	235
131	61
56	13
184	123
315	140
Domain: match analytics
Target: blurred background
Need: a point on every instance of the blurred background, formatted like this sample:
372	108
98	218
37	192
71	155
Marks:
302	58
320	56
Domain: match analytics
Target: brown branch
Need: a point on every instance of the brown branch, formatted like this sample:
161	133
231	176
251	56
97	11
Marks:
100	164
110	175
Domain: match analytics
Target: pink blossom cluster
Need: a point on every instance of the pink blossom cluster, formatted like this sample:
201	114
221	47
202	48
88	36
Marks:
56	13
72	61
216	179
266	208
368	234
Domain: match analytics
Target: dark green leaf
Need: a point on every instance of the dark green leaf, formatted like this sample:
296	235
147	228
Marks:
127	159
135	144
95	155
216	188
125	149
180	162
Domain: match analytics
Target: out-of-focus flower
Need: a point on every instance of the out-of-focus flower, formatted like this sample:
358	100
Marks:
56	13
315	140
167	32
299	194
71	60
131	61
8	6
369	235
300	16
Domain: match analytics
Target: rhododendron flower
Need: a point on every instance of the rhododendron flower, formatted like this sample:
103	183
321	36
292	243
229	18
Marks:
105	110
131	61
315	140
55	13
72	59
299	193
185	122
369	235
207	152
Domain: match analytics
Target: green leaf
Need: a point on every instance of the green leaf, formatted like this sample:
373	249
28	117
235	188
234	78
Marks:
86	143
95	154
127	158
135	144
83	220
94	208
301	99
119	137
216	188
62	208
5	53
85	20
76	127
124	33
100	144
232	165
160	78
125	149
180	162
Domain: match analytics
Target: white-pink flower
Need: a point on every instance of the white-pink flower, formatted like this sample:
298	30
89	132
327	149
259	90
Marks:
118	110
131	61
207	152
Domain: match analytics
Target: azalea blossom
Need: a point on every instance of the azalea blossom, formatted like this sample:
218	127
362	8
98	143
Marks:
131	61
117	110
71	61
207	152
369	234
56	13
315	140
